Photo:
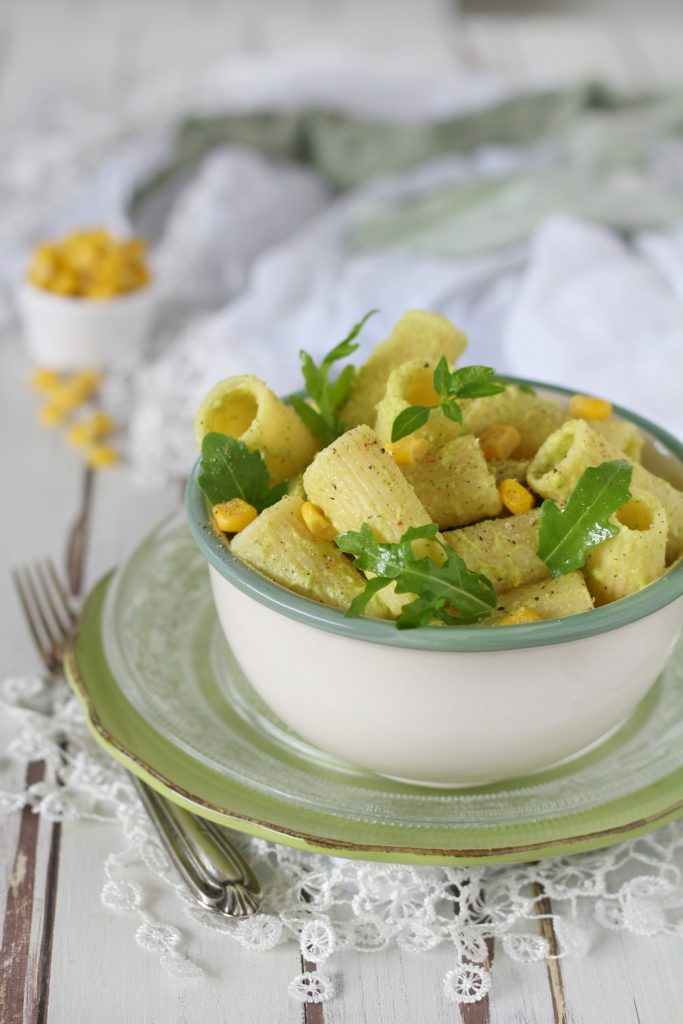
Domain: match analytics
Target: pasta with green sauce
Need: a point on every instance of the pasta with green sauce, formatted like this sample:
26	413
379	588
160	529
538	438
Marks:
445	476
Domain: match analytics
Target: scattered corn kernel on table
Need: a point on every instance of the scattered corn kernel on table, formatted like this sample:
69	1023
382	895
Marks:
65	957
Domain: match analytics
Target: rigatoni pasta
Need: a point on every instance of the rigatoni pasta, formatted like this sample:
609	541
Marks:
418	331
455	484
245	408
550	599
502	549
635	557
575	446
279	545
355	481
436	503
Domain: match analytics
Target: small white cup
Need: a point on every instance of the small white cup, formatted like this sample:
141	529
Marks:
74	333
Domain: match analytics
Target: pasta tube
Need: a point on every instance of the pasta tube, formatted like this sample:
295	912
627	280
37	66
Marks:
455	484
632	559
355	481
417	333
244	407
551	599
502	549
411	384
623	435
280	545
510	469
535	418
562	459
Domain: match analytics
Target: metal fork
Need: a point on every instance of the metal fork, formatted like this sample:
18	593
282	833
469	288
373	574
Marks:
215	872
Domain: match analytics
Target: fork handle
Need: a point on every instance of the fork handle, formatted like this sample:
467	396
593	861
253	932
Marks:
214	871
201	888
220	859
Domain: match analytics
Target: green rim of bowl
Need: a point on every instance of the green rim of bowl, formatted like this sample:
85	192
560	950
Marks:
458	638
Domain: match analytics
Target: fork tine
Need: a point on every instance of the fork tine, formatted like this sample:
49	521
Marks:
64	627
39	608
63	596
38	640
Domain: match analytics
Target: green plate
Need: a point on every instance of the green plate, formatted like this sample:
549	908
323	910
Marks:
164	695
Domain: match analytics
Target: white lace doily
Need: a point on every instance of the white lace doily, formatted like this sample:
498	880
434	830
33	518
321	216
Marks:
329	904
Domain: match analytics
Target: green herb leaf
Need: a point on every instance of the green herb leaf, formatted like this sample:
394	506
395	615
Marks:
442	378
467	382
447	591
410	420
566	534
452	411
229	470
474	382
313	420
360	603
329	396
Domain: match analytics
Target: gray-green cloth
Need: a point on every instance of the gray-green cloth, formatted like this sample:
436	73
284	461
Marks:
601	167
348	150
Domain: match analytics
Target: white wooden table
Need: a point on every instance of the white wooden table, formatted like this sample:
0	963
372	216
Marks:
64	958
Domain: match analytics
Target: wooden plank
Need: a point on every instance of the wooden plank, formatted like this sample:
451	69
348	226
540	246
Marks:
16	933
314	1013
545	924
117	980
520	994
100	974
624	978
75	552
33	518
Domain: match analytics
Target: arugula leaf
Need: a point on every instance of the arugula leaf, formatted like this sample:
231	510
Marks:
566	534
467	382
229	470
448	592
329	396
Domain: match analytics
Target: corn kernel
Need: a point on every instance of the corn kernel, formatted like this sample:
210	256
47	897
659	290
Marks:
66	397
44	265
520	616
586	408
515	496
64	283
408	450
43	379
78	435
499	442
94	428
101	424
51	415
232	516
84	382
317	522
100	455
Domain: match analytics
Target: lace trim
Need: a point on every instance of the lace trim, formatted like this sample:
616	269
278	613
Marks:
329	904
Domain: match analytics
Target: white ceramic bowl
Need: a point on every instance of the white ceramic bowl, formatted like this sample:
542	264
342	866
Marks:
437	706
73	333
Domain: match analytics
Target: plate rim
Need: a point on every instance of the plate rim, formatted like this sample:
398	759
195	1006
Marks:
117	747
